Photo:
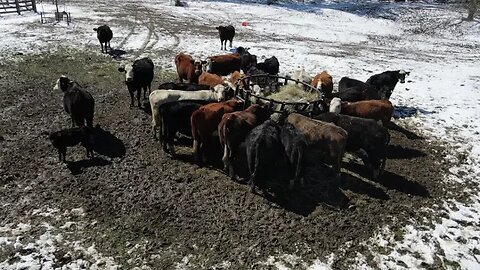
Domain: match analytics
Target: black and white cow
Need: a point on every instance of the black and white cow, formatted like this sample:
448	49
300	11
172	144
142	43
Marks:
294	144
367	138
226	33
138	76
264	150
71	137
77	102
382	84
270	65
184	86
104	35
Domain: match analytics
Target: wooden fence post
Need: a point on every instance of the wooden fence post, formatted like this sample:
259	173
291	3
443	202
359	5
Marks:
34	5
18	6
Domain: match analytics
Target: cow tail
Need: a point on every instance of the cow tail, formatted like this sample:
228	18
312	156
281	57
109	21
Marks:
194	129
257	166
298	170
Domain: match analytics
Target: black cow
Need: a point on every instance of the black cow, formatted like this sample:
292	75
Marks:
77	102
366	137
183	86
226	33
137	76
264	149
261	81
270	65
247	59
382	84
294	144
346	83
71	137
349	94
176	118
104	35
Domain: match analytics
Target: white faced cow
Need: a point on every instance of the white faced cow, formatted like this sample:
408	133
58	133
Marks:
138	76
77	102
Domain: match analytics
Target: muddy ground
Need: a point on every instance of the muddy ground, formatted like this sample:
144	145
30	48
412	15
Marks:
136	194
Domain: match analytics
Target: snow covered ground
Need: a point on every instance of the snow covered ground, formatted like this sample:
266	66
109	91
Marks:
356	40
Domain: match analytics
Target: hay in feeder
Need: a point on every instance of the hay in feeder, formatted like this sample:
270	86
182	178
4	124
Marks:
294	93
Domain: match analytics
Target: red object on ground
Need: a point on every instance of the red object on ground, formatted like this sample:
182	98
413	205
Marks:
244	23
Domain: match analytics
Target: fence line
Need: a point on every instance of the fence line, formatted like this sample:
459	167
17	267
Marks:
17	6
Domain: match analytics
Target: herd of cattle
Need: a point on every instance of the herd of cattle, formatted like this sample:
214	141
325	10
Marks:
206	109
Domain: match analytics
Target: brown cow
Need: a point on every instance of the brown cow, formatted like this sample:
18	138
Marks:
326	138
223	64
372	109
210	79
187	68
324	82
235	77
233	130
205	120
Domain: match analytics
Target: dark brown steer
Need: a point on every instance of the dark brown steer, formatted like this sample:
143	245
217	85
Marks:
223	64
233	130
326	138
205	120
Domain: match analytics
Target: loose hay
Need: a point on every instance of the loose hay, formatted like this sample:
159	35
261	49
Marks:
294	93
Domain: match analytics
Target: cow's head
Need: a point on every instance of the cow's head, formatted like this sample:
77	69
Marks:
402	74
198	67
207	65
62	83
220	92
241	50
335	105
128	70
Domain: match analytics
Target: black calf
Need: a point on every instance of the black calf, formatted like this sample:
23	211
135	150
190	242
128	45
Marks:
71	137
226	33
104	35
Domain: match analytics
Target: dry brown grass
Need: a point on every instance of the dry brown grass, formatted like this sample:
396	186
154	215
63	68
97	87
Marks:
293	93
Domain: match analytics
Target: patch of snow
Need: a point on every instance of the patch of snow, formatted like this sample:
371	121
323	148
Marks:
34	251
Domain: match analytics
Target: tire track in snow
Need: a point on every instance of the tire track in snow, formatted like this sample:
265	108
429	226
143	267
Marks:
132	30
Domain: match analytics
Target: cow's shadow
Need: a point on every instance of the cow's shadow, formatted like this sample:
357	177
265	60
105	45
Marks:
107	144
400	152
116	53
76	167
409	134
357	185
408	111
390	180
